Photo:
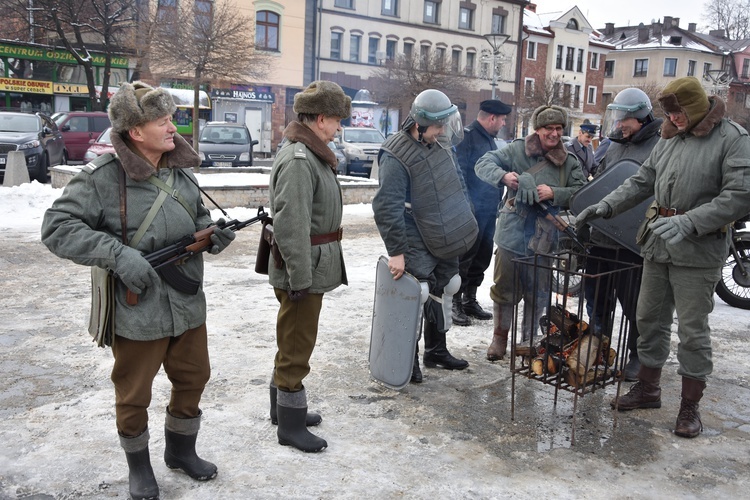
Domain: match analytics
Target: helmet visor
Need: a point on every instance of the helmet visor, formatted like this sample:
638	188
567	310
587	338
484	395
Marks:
453	131
612	124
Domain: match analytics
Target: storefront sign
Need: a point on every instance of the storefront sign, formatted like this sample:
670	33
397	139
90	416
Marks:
28	86
245	94
70	88
61	56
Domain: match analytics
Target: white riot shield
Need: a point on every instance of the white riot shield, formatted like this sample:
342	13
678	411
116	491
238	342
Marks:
396	318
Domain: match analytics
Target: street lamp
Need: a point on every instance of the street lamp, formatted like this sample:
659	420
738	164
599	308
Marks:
496	40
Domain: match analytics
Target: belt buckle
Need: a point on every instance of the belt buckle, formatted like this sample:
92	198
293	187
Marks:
340	235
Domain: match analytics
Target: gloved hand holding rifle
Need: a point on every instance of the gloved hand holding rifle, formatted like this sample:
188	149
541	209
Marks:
543	208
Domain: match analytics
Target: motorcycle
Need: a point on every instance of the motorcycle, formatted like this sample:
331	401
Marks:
734	285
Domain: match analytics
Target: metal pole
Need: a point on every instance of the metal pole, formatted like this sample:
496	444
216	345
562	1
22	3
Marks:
494	73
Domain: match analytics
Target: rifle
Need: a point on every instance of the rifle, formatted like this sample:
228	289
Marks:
543	208
166	260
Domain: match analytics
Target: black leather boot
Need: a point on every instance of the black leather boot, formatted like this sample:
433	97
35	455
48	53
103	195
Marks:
416	373
180	435
311	420
141	480
435	351
457	312
472	307
291	408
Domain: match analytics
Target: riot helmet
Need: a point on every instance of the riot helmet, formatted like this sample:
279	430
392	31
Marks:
432	107
629	103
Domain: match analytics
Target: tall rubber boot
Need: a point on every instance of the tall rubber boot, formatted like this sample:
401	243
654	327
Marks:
457	312
311	420
472	307
291	408
416	373
689	423
501	322
435	351
142	483
180	435
646	393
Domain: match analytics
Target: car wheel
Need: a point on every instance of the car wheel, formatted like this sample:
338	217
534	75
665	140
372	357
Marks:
41	169
64	159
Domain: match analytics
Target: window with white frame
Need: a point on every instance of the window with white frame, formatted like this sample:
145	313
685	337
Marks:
609	69
591	95
594	60
528	87
455	61
559	58
355	42
579	62
431	11
373	45
347	4
465	18
577	97
531	50
498	22
691	68
470	60
390	49
640	67
706	69
266	30
389	8
336	37
670	66
408	49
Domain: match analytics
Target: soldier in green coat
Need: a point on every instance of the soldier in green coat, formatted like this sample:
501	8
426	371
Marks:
166	327
698	174
306	205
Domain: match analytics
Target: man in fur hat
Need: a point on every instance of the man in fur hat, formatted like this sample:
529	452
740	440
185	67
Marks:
697	174
117	209
533	169
305	199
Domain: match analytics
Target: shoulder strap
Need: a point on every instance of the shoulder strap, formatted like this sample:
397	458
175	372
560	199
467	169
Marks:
167	188
123	204
154	210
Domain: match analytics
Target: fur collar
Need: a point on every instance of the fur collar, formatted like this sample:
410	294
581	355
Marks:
703	127
556	155
297	132
139	169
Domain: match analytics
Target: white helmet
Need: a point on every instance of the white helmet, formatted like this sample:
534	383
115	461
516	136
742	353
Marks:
432	107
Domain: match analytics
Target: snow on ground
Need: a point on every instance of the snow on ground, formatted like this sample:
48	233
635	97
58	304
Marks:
450	437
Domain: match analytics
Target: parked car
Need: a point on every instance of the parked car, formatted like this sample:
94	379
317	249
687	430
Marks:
102	145
79	128
223	144
361	146
340	157
37	136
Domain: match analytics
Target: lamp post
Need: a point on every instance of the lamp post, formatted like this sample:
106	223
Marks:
496	40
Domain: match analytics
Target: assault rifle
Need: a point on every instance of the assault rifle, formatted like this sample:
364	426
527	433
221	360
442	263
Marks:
166	260
543	208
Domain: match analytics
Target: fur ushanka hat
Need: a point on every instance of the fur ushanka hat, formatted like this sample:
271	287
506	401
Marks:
687	95
548	115
138	103
323	98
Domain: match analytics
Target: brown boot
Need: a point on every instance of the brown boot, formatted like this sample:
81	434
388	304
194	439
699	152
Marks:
645	393
689	423
499	344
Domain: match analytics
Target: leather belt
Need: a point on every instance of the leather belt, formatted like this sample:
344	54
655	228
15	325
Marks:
320	239
669	212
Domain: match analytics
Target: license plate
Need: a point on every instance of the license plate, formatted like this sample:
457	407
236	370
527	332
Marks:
2	161
222	164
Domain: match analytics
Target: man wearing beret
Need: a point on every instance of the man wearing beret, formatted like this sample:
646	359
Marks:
582	148
536	168
697	174
306	205
117	209
479	137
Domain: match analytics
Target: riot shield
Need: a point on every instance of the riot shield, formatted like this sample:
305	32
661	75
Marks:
624	227
396	318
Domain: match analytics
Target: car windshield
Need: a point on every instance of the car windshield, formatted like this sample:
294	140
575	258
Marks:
224	135
104	137
371	136
19	123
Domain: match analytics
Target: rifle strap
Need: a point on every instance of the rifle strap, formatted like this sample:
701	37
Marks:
123	203
167	187
163	193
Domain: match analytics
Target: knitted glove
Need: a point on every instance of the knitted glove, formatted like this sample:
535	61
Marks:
673	229
221	237
527	192
297	295
601	209
134	270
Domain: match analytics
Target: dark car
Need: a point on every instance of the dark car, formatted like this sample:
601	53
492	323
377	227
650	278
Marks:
79	128
37	136
340	156
223	144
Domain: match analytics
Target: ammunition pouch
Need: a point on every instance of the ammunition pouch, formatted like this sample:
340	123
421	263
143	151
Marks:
102	315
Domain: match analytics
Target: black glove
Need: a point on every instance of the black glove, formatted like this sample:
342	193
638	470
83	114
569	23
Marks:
132	268
297	295
221	237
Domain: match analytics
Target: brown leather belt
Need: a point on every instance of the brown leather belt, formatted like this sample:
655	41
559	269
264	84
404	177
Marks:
669	212
320	239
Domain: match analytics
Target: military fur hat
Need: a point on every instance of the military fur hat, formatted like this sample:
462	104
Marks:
323	98
138	103
685	95
549	115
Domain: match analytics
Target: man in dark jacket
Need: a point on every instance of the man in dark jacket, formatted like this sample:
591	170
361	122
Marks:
424	217
697	174
111	214
479	137
582	148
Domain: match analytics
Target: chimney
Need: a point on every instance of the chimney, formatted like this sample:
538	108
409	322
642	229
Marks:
656	27
531	7
642	33
717	33
667	22
692	27
609	28
676	22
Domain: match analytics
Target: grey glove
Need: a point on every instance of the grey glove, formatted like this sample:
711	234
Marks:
221	237
673	229
297	295
601	209
527	192
132	268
